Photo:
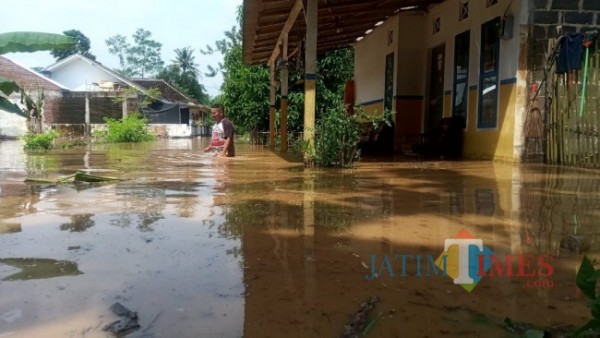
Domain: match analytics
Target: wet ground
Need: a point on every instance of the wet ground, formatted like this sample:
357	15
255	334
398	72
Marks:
256	246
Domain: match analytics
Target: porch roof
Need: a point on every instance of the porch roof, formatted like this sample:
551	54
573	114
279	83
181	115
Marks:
341	22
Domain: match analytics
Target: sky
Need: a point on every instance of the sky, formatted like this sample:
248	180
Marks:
175	24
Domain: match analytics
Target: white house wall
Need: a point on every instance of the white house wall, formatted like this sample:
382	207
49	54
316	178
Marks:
413	40
77	74
369	67
12	125
478	15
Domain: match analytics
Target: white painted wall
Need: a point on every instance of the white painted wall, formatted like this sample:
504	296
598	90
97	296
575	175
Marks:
12	125
448	12
413	38
79	73
369	66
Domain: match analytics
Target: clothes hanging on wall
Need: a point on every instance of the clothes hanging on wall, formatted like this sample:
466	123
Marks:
569	53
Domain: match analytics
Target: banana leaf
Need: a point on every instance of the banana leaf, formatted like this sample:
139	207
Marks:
83	177
13	42
10	107
8	86
80	176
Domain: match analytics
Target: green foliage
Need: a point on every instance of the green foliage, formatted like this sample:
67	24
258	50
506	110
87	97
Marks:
142	58
245	89
42	141
151	95
129	129
183	73
336	138
586	281
82	46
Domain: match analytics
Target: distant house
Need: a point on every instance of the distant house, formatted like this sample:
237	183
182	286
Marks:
80	92
14	125
172	115
174	106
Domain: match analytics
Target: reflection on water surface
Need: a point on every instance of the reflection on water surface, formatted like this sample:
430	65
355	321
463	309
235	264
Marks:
255	246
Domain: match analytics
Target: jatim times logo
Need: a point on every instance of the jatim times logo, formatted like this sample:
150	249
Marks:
467	260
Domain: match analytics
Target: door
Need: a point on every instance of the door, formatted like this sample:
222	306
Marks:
435	104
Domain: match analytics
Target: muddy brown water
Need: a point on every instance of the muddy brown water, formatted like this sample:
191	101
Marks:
256	246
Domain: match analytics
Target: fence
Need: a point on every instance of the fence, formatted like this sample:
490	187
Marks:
559	127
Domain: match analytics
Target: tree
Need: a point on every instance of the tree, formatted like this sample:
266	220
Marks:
117	45
183	74
185	60
142	58
245	89
82	46
184	82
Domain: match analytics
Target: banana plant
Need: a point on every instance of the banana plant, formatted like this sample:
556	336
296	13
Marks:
13	42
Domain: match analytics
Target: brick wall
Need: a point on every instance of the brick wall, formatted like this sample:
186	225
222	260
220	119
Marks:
70	109
553	18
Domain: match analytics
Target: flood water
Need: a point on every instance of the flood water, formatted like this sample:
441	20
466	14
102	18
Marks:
256	246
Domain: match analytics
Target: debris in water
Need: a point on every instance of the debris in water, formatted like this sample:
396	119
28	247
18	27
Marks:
79	176
358	326
575	243
125	325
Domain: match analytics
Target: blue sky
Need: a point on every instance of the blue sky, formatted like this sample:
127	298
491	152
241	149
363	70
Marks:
175	24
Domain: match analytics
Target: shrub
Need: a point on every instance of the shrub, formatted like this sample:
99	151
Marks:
129	129
336	138
43	141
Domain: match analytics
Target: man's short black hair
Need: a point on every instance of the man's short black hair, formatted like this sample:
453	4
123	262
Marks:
219	106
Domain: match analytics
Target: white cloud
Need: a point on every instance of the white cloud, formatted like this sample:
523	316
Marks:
175	24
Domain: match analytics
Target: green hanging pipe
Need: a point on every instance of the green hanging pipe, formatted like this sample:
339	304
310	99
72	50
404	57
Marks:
585	75
590	37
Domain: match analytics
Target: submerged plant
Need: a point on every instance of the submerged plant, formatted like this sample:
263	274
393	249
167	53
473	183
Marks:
43	141
338	134
132	128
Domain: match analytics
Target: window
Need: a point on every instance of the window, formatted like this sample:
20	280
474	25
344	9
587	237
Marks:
463	12
461	74
437	25
488	75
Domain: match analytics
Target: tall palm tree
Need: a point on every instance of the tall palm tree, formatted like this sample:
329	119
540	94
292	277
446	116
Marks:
184	60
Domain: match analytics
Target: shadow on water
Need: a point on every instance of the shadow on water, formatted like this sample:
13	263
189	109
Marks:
257	246
39	268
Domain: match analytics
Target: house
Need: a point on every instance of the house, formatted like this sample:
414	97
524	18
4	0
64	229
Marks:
80	92
35	84
174	107
481	60
171	116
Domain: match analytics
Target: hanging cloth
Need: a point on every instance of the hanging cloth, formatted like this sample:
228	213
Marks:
569	53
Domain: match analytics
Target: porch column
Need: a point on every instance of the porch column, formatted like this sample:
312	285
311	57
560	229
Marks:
284	98
124	108
87	116
272	106
310	76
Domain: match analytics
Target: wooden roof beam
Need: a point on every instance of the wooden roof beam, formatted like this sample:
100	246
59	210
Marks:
298	5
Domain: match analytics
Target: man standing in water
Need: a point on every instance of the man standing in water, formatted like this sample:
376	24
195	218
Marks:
222	133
